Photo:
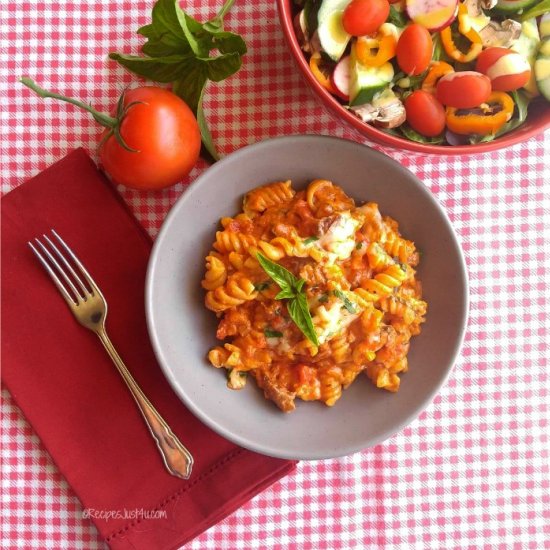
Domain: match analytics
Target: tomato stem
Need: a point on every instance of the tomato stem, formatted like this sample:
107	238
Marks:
103	119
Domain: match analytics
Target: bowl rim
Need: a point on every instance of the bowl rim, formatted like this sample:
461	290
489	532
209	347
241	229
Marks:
169	373
369	131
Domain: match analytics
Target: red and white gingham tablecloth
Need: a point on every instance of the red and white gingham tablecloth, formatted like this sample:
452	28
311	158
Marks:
473	471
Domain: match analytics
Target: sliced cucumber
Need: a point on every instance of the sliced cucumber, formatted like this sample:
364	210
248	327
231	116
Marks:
329	6
527	45
514	6
332	36
365	81
542	68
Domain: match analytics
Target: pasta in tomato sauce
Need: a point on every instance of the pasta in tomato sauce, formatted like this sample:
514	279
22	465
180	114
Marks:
358	278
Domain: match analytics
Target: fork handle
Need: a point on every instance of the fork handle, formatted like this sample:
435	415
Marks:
177	459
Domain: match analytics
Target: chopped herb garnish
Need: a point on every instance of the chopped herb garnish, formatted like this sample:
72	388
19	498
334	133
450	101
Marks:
323	299
261	286
359	245
310	240
270	333
348	304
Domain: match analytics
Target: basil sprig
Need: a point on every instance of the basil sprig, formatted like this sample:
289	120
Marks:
292	289
177	51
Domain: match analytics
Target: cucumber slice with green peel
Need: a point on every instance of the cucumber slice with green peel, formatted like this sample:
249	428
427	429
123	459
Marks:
329	6
542	68
332	36
365	82
514	6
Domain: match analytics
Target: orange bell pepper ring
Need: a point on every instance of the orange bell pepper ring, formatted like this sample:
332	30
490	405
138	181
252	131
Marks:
435	72
320	76
488	118
465	29
374	52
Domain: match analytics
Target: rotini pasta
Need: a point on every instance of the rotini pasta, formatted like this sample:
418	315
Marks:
359	282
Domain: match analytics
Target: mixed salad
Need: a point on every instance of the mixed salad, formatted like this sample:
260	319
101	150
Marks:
432	71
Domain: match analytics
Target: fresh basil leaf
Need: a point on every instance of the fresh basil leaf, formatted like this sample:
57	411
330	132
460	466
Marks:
287	293
223	66
409	133
539	9
178	51
310	240
160	69
348	304
206	136
165	19
397	18
299	313
270	333
283	277
229	42
299	285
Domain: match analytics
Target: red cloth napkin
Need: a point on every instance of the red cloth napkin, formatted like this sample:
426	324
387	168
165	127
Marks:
71	393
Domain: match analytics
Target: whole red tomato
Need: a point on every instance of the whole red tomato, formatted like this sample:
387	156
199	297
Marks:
164	134
362	17
425	114
414	49
151	142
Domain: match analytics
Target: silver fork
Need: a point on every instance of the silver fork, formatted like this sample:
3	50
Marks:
90	309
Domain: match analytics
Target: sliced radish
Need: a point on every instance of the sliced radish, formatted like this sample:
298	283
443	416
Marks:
340	78
432	14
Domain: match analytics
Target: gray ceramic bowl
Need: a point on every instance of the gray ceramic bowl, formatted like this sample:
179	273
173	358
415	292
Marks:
182	330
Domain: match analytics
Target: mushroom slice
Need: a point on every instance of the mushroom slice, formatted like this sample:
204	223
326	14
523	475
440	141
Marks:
386	110
391	114
500	33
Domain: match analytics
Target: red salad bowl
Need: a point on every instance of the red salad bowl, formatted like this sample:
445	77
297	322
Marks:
537	120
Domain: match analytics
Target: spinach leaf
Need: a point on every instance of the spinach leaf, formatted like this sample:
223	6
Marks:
411	134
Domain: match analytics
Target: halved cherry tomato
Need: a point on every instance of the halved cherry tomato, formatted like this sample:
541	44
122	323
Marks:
425	114
414	49
463	90
362	17
506	69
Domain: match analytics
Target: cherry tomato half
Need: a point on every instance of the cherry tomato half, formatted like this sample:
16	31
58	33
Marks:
425	114
463	90
414	49
506	69
164	132
363	17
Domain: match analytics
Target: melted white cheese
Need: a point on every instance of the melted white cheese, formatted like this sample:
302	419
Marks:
339	240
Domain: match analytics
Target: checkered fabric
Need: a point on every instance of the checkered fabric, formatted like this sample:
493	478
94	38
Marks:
472	471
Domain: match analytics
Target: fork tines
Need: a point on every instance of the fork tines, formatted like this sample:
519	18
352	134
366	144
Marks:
62	268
